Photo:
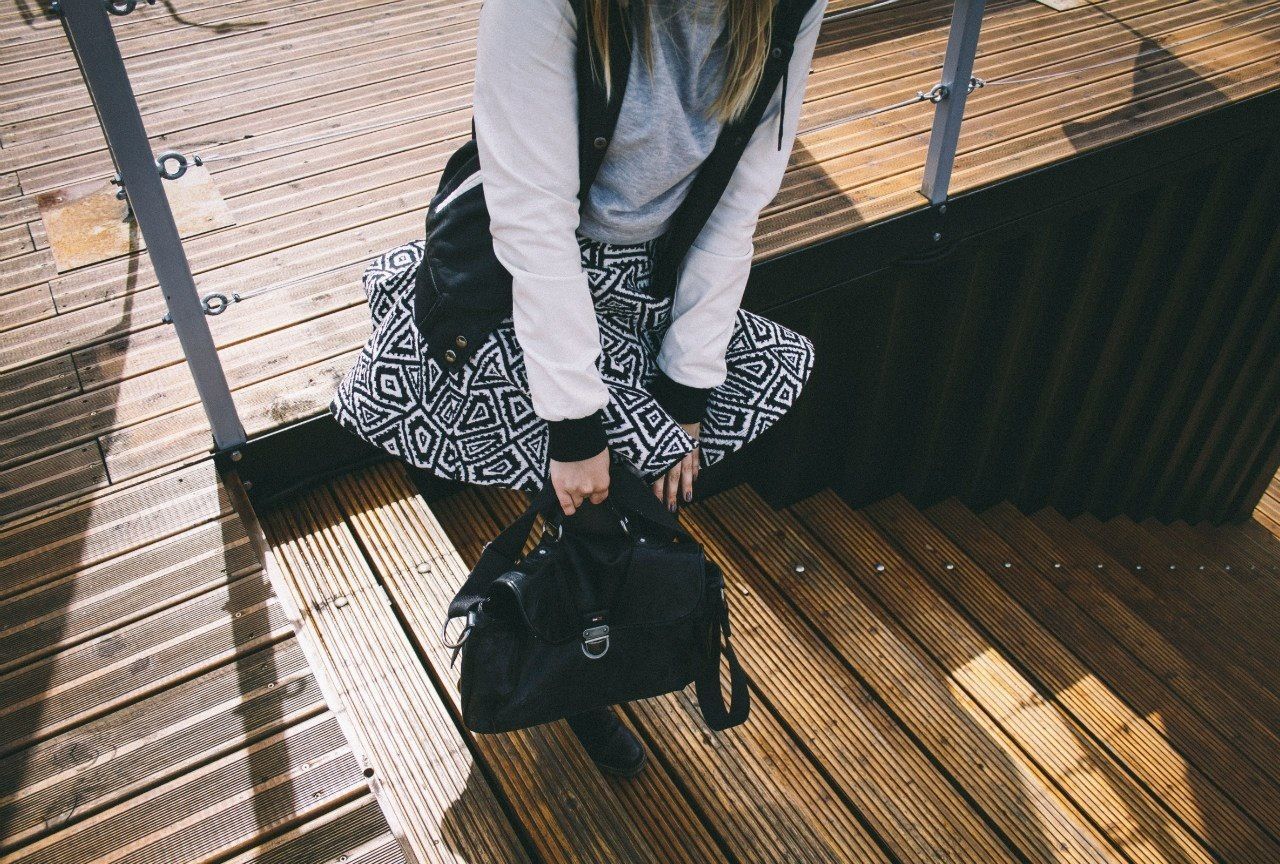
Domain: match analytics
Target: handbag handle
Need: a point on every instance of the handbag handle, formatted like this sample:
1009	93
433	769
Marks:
718	717
629	498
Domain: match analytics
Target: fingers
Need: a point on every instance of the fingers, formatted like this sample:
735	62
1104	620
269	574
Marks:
567	502
597	497
687	475
673	485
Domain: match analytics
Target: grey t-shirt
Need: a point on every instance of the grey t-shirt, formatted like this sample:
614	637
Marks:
665	126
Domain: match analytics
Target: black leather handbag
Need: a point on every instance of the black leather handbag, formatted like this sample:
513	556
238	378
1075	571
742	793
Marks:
593	617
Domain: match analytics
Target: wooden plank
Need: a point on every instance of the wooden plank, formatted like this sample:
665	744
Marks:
422	772
1242	609
54	478
87	769
1230	548
1169	612
1125	706
75	686
109	524
26	304
217	809
168	389
147	54
1164	571
227	19
860	205
570	811
28	271
426	39
61	613
1126	812
18	210
754	784
177	436
36	385
355	833
150	350
986	764
1211	698
15	240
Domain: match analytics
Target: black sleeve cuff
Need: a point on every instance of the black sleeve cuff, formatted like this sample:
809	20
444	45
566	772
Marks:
578	439
685	404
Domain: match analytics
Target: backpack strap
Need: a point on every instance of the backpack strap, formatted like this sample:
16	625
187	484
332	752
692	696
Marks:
715	172
598	117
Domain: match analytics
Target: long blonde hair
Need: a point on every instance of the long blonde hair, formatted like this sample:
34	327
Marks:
748	24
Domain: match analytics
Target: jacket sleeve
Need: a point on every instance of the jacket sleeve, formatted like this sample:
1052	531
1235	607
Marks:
525	106
713	275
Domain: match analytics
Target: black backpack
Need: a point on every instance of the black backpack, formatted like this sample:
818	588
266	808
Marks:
462	292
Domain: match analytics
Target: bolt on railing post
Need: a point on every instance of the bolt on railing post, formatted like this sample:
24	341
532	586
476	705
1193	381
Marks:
98	55
957	75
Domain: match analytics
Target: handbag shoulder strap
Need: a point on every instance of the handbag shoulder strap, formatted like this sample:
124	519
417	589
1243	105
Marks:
500	554
717	715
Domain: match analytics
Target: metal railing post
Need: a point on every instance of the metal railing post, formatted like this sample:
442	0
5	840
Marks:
957	75
94	43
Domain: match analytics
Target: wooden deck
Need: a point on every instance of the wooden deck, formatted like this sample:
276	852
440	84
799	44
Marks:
159	705
936	686
325	123
155	703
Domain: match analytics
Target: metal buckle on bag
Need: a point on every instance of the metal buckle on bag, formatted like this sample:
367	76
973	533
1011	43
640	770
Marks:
548	526
596	636
462	637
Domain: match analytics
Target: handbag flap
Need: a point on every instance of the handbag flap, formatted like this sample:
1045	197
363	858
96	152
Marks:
662	583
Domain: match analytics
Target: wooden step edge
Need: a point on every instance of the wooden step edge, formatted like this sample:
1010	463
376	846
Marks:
411	781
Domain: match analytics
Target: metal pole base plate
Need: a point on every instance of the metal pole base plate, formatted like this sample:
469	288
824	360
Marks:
86	223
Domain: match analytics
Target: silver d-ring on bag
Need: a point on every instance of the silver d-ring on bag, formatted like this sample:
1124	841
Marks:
596	636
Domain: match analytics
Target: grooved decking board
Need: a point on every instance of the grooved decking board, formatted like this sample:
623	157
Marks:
78	773
1132	818
354	833
33	484
64	612
1010	790
419	766
39	384
1241	607
43	698
145	398
1157	568
1076	593
569	811
1169	612
209	811
155	706
108	524
1177	773
755	784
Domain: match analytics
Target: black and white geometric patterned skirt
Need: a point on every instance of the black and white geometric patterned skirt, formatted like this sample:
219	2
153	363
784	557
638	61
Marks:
476	423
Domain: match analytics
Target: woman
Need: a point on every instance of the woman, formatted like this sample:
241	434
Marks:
591	367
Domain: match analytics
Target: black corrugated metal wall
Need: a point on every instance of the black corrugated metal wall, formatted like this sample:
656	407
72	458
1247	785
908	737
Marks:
1117	354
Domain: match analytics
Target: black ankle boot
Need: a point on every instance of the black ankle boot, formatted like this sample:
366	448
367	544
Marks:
609	743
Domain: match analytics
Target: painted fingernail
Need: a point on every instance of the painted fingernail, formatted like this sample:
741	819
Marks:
688	496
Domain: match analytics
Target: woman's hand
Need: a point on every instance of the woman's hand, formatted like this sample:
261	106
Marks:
678	481
587	479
